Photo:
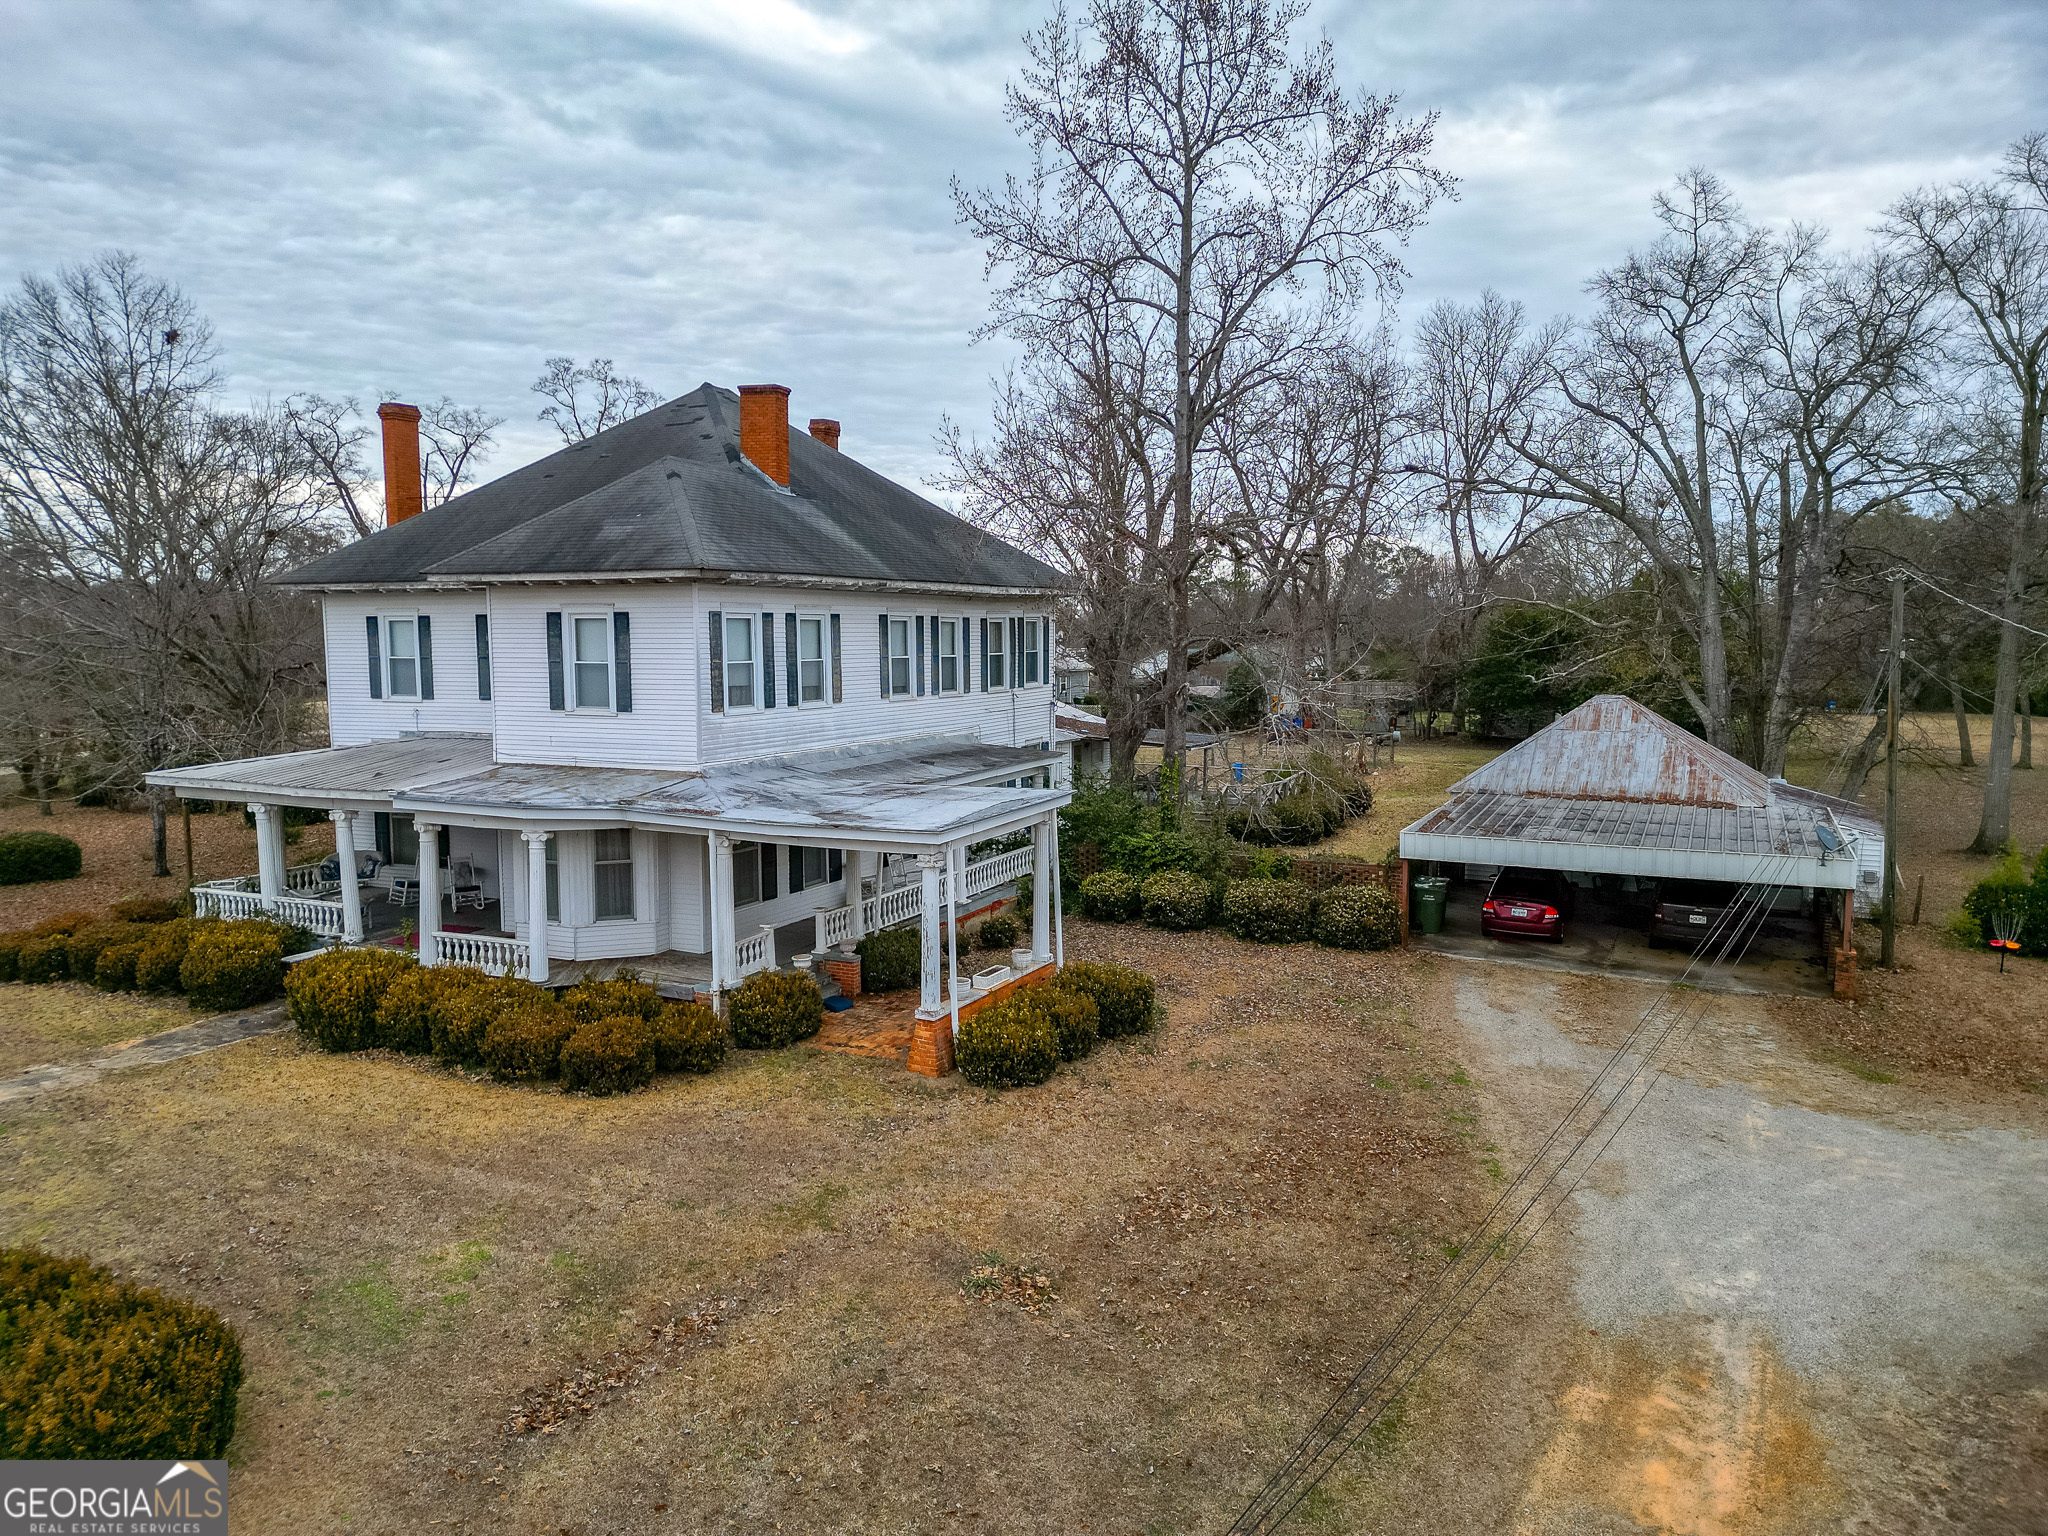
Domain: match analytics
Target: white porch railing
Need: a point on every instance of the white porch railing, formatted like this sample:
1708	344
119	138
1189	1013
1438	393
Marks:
497	957
304	877
905	903
756	952
228	898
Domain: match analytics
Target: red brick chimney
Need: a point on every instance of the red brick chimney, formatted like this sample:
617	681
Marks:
764	429
403	493
826	432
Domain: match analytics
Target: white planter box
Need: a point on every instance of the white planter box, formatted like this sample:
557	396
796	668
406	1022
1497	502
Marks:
1020	960
990	979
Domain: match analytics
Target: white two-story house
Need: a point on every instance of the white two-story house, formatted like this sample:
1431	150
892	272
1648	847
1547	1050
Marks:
657	696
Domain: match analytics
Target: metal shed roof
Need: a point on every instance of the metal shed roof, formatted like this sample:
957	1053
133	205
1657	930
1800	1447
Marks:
1612	748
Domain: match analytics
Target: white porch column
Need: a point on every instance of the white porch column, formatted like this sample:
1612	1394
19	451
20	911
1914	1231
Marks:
269	852
724	937
1059	920
956	882
929	958
430	891
1042	878
345	856
536	906
860	865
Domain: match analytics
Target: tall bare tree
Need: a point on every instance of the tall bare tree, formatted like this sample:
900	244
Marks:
585	398
1224	193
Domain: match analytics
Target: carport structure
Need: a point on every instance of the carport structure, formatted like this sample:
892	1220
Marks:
1613	788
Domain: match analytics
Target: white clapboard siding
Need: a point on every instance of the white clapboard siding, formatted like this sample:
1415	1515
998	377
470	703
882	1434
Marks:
353	717
659	732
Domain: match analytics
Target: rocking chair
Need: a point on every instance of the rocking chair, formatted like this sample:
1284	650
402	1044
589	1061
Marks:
465	884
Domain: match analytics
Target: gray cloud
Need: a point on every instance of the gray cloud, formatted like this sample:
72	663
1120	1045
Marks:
430	197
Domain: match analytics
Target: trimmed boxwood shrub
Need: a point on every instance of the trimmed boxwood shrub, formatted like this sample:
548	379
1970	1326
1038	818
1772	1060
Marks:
1268	911
44	957
1009	1044
145	909
163	953
614	1055
1123	997
771	1009
622	992
1357	917
998	932
1110	897
114	971
84	946
464	1014
232	965
1175	899
96	1368
65	922
525	1045
889	961
334	997
26	857
1076	1021
688	1037
405	1010
10	955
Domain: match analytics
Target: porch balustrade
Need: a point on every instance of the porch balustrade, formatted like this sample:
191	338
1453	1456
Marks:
225	898
495	957
756	952
905	903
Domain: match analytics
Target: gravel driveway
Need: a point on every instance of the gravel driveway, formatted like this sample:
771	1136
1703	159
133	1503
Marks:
1808	1302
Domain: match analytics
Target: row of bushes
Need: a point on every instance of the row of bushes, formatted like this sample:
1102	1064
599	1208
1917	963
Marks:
26	857
1023	1038
95	1368
1264	911
600	1037
144	946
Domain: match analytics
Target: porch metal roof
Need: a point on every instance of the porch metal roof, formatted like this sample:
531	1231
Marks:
374	770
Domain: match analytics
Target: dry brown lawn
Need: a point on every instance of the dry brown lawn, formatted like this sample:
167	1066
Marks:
117	857
740	1302
47	1025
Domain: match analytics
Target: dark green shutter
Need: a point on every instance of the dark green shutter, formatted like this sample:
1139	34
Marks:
376	660
768	872
918	656
838	687
835	865
426	634
384	836
984	654
483	655
717	662
792	684
622	663
765	649
966	654
796	869
885	655
557	699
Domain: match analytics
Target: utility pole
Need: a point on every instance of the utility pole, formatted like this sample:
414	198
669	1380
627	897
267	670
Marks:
1891	773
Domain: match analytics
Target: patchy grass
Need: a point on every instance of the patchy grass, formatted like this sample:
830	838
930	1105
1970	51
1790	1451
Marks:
67	1022
1854	1065
741	1296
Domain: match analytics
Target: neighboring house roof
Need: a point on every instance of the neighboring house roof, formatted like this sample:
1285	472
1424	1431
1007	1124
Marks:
668	493
1079	722
1614	787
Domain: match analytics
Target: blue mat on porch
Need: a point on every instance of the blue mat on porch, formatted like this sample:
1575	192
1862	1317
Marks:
838	1004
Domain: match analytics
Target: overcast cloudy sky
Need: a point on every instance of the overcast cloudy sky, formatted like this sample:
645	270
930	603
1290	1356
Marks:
429	198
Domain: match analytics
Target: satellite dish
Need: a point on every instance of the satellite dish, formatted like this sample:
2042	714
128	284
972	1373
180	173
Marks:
1830	839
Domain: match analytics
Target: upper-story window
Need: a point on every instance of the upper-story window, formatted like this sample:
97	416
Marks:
901	679
402	657
1029	668
810	659
593	660
998	653
949	655
739	662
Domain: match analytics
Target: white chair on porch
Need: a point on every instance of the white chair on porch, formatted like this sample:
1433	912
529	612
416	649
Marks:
465	884
405	885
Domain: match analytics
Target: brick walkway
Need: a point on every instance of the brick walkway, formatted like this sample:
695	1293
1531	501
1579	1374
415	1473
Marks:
874	1026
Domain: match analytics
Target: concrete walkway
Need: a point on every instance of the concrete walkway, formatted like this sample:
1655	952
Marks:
173	1044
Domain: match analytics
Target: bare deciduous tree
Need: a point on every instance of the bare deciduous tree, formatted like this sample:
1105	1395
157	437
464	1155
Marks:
584	399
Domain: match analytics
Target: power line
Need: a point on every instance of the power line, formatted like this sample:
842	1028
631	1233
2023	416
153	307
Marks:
1965	602
1417	1339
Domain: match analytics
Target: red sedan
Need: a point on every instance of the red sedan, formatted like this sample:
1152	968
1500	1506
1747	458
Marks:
1526	904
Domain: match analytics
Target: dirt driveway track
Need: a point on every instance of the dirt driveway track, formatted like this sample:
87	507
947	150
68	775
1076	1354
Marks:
1806	1302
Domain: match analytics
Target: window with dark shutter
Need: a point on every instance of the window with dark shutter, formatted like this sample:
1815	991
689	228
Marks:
622	663
796	869
376	660
789	661
883	647
483	655
768	871
558	694
767	661
717	683
920	655
426	629
835	865
967	655
984	656
838	683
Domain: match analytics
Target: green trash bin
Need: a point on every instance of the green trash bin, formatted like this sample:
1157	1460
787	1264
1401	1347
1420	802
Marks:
1427	895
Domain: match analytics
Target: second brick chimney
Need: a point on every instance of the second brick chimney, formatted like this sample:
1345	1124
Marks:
826	432
764	429
404	495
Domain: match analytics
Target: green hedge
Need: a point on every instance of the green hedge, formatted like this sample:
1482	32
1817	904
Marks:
688	1037
44	957
622	992
1076	1021
1269	911
998	932
614	1055
145	909
1110	897
96	1368
1010	1044
1176	900
114	971
1357	917
1123	997
232	965
26	857
889	961
525	1045
334	998
771	1009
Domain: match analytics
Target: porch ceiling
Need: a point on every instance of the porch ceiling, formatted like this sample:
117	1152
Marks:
341	778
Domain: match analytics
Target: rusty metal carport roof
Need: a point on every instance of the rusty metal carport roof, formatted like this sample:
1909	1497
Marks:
1614	788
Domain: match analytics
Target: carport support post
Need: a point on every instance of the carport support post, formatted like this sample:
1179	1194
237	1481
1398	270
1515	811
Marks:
724	941
430	892
536	906
928	867
1400	895
269	855
345	857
